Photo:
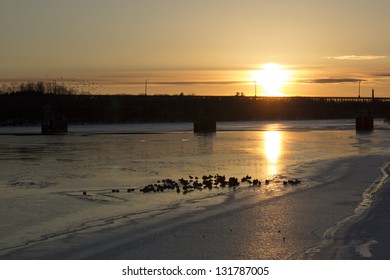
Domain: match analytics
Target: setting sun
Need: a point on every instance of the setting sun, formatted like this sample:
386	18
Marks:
272	77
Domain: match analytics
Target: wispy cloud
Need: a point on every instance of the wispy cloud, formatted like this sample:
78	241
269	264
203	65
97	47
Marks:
209	83
356	57
382	75
332	81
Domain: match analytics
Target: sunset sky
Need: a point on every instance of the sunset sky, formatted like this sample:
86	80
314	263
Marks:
201	47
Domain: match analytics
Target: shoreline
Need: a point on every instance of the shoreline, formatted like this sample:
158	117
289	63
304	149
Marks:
367	237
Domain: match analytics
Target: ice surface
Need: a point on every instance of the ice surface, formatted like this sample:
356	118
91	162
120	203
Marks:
43	178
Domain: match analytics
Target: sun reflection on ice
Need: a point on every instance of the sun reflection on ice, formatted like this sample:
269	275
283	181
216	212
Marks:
272	150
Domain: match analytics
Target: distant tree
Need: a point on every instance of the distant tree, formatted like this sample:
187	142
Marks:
58	89
22	88
52	87
32	88
5	89
40	87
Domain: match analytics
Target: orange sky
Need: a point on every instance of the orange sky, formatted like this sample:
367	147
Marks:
199	47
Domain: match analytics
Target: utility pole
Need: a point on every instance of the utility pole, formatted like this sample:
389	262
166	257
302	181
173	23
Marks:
359	88
255	88
146	86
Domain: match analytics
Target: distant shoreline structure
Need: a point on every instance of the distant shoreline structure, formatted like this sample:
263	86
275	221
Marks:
54	122
26	109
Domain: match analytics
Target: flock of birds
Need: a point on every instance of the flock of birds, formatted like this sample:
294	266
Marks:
210	182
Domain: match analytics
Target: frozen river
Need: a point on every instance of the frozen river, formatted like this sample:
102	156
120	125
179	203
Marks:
57	185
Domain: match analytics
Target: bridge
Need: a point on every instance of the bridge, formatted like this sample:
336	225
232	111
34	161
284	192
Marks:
29	109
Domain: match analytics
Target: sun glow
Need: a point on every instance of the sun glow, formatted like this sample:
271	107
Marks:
272	77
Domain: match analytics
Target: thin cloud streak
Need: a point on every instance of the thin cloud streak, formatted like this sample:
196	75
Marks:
356	57
382	75
173	83
331	81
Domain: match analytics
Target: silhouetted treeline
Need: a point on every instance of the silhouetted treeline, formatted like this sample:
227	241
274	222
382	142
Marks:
29	108
54	87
